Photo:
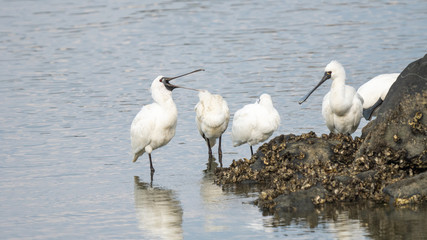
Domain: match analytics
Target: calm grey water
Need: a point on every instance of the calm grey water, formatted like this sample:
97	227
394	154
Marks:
74	74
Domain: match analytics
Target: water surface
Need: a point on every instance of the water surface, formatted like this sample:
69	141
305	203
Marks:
74	74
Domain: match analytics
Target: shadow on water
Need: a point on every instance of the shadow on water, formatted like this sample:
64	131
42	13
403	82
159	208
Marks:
158	211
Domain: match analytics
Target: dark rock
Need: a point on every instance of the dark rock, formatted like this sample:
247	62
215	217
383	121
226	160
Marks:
408	190
258	165
317	150
367	176
402	118
304	149
301	201
343	179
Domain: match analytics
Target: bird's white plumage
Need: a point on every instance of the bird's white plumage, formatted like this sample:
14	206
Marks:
342	106
154	125
212	116
376	88
255	123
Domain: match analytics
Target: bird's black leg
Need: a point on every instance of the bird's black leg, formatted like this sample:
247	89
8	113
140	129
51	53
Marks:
151	167
209	145
220	151
252	151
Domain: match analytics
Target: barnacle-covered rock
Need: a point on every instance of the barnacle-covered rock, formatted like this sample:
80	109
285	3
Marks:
409	190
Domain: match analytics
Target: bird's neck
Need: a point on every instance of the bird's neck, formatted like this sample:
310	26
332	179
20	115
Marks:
338	88
267	104
339	101
163	98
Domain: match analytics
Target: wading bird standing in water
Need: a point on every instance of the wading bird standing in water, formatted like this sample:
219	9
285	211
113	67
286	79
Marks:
255	123
212	116
342	106
154	125
374	92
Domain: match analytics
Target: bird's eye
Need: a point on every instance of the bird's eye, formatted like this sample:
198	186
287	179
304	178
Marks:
329	72
161	80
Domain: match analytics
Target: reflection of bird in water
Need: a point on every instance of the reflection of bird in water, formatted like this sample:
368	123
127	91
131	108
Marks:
346	228
212	116
158	211
213	200
211	165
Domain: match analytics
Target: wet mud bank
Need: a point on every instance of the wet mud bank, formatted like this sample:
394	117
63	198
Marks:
387	164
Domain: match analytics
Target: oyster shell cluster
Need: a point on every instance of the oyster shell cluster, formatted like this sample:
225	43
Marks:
328	164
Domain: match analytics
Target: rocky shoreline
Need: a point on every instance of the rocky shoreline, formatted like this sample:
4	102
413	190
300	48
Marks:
387	164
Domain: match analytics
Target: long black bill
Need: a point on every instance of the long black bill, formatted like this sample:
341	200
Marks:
325	77
172	78
170	86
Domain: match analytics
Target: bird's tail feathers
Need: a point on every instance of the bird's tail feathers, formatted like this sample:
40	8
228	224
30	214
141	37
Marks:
137	155
237	143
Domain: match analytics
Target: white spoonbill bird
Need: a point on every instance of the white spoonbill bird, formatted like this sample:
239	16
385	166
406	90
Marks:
212	116
374	91
255	123
154	125
342	106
